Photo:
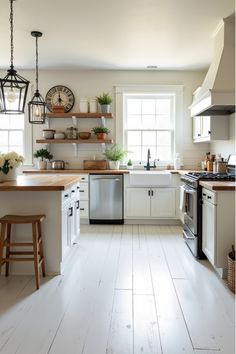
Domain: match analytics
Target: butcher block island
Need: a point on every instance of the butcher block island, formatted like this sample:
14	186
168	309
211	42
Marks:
58	198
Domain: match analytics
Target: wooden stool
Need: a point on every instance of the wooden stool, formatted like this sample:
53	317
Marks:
37	244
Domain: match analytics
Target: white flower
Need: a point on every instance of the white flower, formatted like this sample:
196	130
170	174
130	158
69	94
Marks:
10	160
2	160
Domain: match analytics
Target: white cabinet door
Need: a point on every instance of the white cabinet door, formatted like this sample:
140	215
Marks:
66	229
163	202
76	219
138	202
209	128
209	230
197	127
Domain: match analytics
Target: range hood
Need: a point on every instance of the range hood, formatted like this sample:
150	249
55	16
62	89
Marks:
216	96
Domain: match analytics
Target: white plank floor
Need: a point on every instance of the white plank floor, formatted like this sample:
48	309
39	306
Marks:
127	289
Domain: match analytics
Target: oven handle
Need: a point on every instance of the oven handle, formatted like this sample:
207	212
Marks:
188	237
189	191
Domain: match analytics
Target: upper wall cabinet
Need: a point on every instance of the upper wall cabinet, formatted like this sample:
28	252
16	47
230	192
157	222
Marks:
210	128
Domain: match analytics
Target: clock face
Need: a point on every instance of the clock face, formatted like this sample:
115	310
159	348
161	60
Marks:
60	96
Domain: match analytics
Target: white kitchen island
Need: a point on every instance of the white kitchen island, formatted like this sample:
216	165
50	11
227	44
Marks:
58	198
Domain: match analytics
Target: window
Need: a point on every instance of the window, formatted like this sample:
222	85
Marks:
16	135
12	133
148	123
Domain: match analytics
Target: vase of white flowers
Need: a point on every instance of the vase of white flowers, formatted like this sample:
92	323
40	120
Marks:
8	164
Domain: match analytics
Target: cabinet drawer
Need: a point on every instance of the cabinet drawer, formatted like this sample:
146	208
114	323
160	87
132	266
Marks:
66	196
83	178
83	191
84	212
209	196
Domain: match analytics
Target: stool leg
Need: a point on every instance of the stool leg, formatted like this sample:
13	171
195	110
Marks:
36	255
2	238
8	249
40	239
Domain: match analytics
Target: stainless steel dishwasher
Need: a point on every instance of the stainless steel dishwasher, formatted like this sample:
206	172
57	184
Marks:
106	199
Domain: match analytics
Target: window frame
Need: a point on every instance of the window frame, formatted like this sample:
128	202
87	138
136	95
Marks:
27	139
141	96
176	90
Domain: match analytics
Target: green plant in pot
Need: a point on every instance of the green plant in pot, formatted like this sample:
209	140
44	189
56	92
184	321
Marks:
105	101
42	155
130	164
114	155
101	132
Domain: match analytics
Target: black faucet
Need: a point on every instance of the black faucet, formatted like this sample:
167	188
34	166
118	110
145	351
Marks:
148	166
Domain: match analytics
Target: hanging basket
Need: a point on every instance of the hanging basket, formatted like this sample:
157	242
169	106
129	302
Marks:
231	272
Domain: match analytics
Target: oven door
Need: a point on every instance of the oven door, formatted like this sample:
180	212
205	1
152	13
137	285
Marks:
190	216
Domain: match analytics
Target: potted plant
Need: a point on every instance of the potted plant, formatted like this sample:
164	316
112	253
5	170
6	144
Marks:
8	164
43	155
129	165
101	132
114	155
105	102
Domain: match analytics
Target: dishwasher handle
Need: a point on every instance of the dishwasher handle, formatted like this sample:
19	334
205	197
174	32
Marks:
107	179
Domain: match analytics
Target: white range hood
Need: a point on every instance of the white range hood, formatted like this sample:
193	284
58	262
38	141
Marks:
216	96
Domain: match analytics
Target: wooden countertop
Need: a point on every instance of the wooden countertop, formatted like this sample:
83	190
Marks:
112	172
77	171
218	186
39	183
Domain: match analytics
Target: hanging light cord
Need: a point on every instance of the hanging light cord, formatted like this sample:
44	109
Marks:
37	69
11	27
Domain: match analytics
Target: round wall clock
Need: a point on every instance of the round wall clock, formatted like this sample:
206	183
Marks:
60	96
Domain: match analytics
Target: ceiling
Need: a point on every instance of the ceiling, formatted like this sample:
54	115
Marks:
110	34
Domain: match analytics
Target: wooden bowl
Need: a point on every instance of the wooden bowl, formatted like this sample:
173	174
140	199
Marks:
84	135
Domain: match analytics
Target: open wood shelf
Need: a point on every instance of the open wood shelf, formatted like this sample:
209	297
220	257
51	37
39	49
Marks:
74	141
79	115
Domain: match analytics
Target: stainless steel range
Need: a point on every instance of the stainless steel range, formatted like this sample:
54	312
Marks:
192	228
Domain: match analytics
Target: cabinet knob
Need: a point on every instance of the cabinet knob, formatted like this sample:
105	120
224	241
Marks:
208	197
199	134
209	132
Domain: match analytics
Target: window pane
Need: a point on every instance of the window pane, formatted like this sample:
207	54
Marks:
16	138
148	106
17	122
163	106
148	122
4	149
163	153
134	153
134	106
134	138
149	138
18	149
163	122
4	121
134	121
164	138
3	137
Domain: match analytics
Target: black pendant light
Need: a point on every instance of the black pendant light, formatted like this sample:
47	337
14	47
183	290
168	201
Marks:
37	106
13	87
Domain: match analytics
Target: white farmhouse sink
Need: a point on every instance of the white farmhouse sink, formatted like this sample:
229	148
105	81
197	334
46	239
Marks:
150	178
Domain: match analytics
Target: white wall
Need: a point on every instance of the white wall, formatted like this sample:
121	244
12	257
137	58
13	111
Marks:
228	146
90	83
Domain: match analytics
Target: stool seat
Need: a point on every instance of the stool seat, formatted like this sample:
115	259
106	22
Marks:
5	243
22	219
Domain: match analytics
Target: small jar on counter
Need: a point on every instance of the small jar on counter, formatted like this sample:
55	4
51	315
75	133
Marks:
71	133
83	105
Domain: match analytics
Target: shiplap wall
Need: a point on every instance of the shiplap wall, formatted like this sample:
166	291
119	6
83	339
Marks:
90	83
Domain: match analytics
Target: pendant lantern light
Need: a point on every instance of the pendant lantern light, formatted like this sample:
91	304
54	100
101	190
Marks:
13	87
37	105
